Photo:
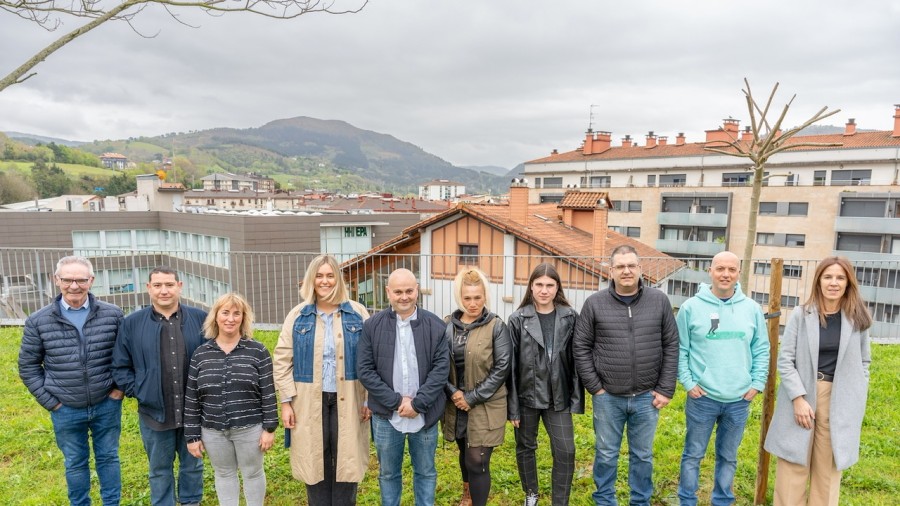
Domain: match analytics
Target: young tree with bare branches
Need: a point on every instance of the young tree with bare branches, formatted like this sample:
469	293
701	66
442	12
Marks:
768	140
49	15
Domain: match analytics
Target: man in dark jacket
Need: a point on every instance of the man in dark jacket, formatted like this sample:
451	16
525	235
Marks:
403	361
150	363
626	353
65	362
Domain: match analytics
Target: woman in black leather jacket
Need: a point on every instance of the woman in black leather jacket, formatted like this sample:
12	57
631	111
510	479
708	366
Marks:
543	382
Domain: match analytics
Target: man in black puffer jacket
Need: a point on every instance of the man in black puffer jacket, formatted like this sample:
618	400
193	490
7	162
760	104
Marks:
626	353
65	361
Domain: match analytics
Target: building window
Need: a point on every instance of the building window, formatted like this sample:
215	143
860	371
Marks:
795	240
798	208
537	182
617	205
600	181
635	206
793	271
736	178
551	199
765	238
791	180
819	178
552	182
468	254
789	271
768	208
681	288
633	231
851	177
790	301
651	180
863	208
762	298
672	179
345	242
859	242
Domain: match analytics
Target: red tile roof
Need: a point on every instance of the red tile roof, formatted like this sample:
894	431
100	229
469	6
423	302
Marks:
859	140
545	230
583	200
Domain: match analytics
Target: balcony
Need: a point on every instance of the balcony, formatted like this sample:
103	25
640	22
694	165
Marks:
865	256
711	220
866	225
881	294
680	247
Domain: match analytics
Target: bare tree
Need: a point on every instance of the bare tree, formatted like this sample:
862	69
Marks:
49	15
768	140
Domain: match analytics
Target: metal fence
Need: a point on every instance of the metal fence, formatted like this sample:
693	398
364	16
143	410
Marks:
270	281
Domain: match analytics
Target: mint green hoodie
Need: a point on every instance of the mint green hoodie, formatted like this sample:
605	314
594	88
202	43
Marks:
723	346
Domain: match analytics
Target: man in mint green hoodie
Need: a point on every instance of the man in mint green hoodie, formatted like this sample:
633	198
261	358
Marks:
723	363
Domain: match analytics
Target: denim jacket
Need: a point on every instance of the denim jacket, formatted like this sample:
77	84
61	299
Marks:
305	335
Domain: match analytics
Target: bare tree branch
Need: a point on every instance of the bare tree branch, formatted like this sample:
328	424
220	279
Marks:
48	14
767	140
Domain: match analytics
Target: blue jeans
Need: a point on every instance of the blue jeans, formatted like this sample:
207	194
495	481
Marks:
389	444
161	447
612	414
73	427
701	414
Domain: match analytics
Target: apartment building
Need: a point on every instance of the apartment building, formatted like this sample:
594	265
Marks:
688	201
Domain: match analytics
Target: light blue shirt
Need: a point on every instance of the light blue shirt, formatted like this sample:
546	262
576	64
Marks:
406	374
329	364
76	316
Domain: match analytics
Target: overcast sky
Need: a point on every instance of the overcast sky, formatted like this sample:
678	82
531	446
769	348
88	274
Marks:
476	82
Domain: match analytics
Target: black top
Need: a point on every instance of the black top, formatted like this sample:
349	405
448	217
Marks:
829	343
548	324
174	368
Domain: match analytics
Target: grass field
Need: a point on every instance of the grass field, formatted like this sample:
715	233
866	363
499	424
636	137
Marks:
73	170
31	467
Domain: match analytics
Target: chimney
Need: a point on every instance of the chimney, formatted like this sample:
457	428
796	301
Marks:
850	128
554	152
896	121
747	134
679	139
595	143
651	139
663	140
518	200
626	141
601	216
727	133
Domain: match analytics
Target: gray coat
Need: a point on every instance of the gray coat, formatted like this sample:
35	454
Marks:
797	365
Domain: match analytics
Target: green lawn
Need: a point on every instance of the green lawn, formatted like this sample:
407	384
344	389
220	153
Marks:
31	468
73	170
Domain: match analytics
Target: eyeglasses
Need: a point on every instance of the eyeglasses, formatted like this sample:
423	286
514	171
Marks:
630	267
83	282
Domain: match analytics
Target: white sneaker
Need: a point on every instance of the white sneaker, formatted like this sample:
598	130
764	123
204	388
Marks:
531	500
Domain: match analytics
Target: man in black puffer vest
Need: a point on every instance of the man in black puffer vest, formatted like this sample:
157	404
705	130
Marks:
626	354
65	361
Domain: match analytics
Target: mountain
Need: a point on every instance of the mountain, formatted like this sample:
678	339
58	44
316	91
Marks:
490	169
32	139
308	147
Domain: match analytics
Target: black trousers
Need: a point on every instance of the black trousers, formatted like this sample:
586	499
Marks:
329	492
562	446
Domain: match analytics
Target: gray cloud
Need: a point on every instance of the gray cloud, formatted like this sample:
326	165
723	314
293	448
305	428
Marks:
474	82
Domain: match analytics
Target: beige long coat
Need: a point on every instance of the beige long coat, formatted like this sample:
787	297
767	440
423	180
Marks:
307	445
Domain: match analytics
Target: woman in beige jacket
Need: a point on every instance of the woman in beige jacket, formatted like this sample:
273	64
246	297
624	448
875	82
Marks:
322	400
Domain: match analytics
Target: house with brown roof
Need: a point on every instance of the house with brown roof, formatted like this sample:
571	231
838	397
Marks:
113	160
507	242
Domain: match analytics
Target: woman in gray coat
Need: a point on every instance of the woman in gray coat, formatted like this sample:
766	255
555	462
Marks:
824	368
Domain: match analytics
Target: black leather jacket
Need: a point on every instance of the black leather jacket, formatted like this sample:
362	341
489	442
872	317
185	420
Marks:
532	369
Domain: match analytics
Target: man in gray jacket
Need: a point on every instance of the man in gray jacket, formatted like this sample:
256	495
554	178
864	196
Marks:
65	361
626	353
404	362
